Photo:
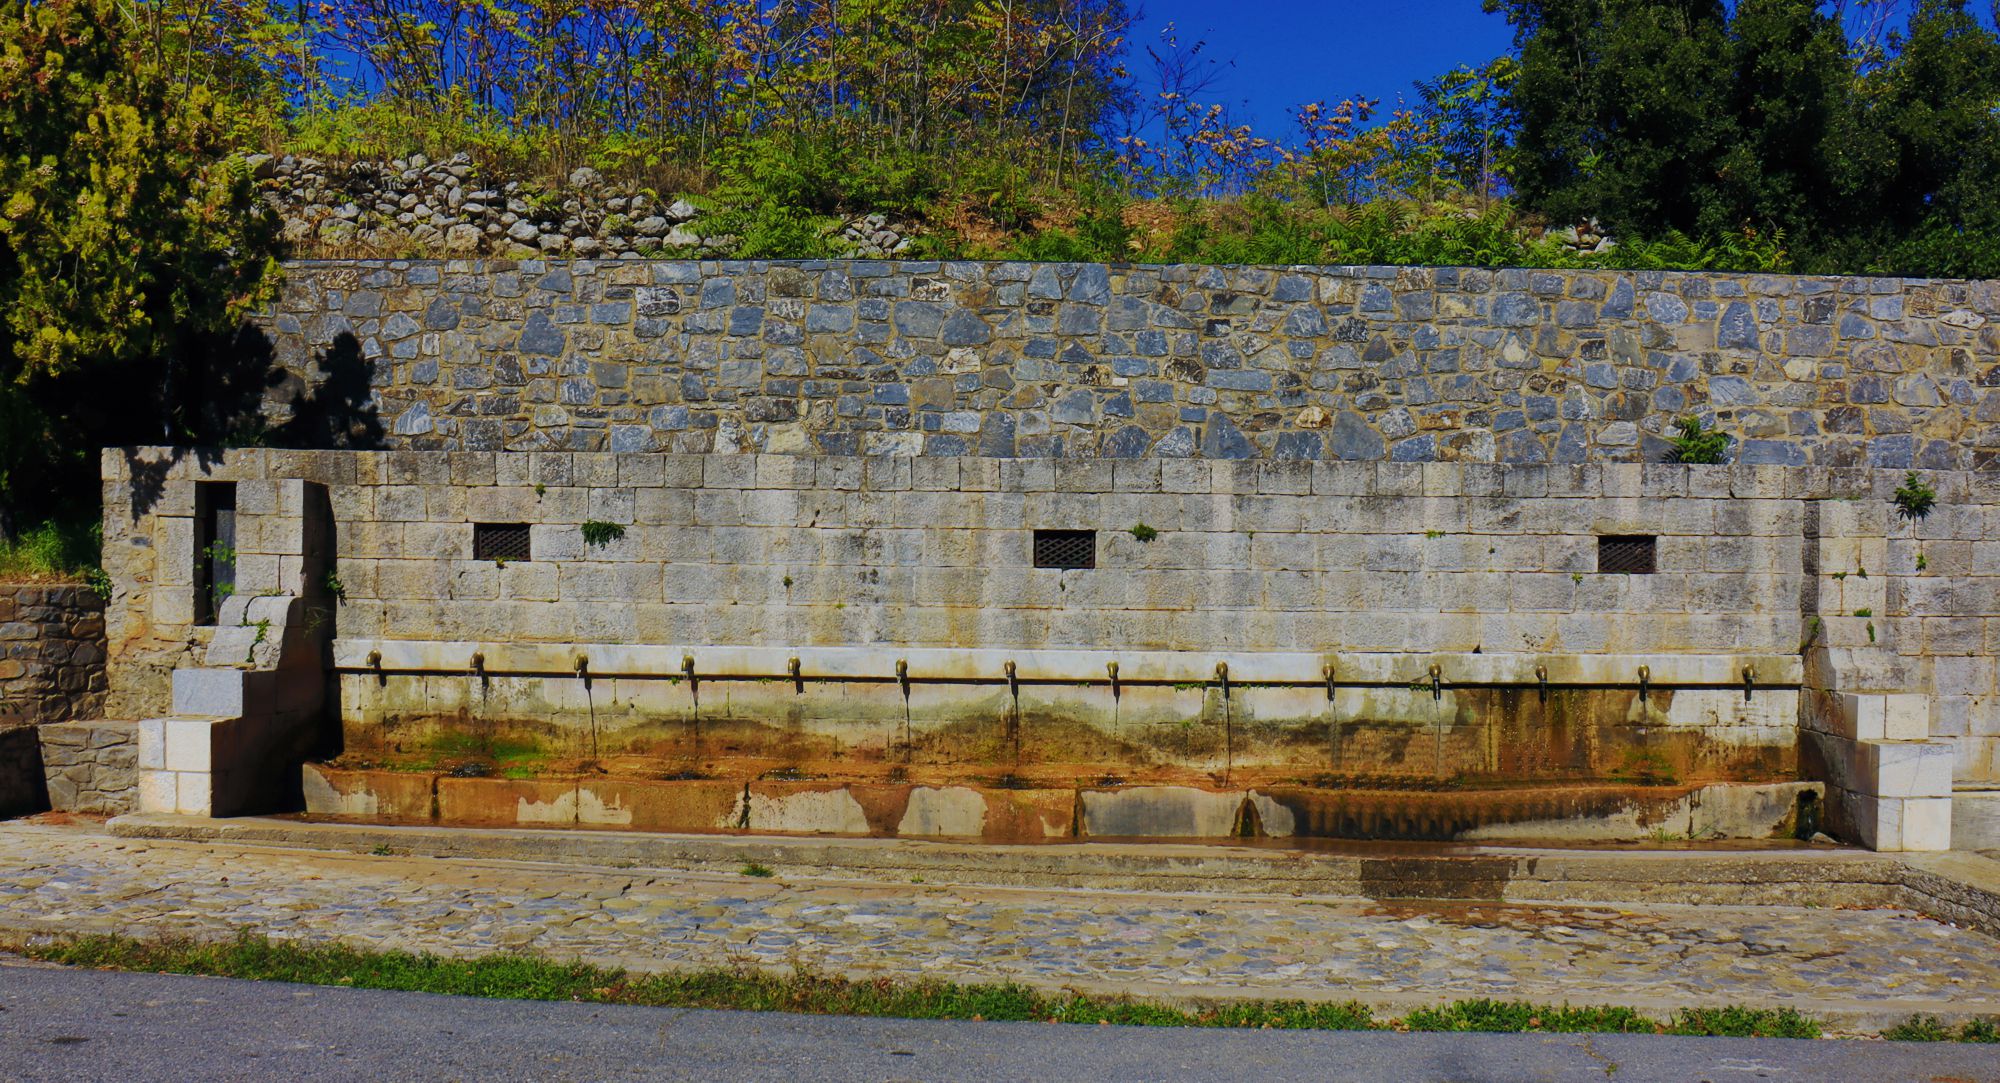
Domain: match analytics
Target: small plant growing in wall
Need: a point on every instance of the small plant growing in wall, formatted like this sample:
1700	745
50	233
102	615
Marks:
597	534
263	633
1694	442
1915	499
1144	533
331	582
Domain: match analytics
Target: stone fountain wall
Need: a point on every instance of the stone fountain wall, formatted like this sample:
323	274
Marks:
736	564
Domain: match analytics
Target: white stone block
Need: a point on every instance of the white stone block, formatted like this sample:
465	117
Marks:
190	744
153	744
216	693
1907	768
1906	717
1862	716
158	792
194	793
1927	823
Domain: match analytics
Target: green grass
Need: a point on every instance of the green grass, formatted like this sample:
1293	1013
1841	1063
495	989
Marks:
1929	1028
523	977
54	552
1518	1017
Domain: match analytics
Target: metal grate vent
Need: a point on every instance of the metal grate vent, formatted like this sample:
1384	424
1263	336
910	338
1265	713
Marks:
501	541
1627	554
1065	548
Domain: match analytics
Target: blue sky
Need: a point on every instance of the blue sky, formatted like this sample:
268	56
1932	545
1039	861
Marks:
1286	53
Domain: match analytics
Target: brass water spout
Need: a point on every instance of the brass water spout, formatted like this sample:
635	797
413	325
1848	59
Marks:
798	681
1542	682
583	669
1437	683
1222	677
1013	681
479	664
1749	679
1327	672
1111	669
1645	682
903	676
375	663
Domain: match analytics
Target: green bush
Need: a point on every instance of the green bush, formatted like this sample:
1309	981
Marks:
53	552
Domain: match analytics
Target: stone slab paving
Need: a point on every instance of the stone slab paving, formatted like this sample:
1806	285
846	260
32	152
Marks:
1879	964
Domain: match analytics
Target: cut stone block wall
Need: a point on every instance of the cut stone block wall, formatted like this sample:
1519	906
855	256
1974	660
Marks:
1274	566
1034	360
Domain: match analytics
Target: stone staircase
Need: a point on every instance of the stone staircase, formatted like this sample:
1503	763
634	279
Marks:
256	701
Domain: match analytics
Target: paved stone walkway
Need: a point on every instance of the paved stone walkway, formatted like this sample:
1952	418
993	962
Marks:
78	879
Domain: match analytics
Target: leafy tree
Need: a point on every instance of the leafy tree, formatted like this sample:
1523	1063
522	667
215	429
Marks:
127	233
1766	120
1926	162
1465	113
1623	110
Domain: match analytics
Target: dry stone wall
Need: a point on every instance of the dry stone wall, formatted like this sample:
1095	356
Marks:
52	670
1090	361
51	652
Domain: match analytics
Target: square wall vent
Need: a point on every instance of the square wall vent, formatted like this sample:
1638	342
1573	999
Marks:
1066	549
1627	554
501	541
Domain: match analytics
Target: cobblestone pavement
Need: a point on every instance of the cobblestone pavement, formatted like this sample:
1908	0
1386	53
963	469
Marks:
77	879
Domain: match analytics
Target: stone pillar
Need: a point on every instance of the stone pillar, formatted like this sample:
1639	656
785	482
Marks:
1865	713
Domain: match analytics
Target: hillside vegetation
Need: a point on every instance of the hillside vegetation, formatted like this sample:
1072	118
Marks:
1770	134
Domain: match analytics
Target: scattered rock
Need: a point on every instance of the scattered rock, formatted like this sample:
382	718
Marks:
413	202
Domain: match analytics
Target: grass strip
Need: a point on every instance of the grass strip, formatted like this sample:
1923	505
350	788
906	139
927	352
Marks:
1929	1028
527	977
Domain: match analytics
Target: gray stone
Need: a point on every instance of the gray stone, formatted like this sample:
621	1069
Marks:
540	336
1350	438
1223	440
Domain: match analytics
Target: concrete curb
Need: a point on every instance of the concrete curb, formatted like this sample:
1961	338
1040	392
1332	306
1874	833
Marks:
1963	889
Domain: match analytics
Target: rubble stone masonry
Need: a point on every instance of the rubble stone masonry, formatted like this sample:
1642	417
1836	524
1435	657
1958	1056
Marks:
1094	361
51	671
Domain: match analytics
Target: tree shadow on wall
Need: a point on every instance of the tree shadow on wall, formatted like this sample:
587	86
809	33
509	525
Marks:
228	401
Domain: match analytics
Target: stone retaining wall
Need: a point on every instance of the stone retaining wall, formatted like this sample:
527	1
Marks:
52	670
91	766
1080	361
51	651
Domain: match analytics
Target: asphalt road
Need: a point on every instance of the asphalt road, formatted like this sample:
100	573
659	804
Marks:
76	1026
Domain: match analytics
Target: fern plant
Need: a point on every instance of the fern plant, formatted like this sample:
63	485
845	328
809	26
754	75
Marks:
1694	442
1915	499
597	534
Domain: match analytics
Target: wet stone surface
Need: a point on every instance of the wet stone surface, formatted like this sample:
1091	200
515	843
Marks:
76	880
